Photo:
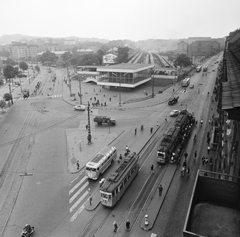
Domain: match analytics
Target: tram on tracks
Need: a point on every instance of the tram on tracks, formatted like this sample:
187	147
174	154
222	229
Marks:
112	189
100	162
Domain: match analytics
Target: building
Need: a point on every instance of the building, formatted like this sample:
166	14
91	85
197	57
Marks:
203	48
22	50
69	42
182	47
109	58
125	75
84	51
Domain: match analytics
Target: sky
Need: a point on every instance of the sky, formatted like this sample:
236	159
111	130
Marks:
120	19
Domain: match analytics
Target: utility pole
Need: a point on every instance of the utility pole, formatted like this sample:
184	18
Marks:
120	92
152	72
89	137
80	88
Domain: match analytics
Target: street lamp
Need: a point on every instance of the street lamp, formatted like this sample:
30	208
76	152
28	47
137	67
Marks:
80	87
152	75
119	91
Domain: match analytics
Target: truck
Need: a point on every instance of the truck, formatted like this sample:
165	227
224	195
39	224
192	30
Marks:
173	100
104	119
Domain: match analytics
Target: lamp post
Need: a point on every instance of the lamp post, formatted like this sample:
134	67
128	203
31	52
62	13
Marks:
119	92
89	136
80	87
152	72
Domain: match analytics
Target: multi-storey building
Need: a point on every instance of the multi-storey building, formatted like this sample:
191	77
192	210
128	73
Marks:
22	50
203	48
182	48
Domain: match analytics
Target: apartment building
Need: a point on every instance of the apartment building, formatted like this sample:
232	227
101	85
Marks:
22	50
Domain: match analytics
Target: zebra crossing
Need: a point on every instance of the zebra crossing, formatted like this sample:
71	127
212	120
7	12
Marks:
78	194
42	97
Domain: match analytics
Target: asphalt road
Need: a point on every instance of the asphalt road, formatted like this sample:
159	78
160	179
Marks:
34	177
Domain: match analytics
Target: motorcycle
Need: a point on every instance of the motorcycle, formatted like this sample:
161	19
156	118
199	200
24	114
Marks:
183	171
26	233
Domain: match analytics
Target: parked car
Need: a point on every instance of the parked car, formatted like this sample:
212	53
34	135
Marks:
173	100
80	107
174	113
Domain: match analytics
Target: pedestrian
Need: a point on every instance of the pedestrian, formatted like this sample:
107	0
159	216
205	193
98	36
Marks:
90	200
195	154
206	160
188	171
78	166
86	126
152	168
128	225
173	90
94	90
208	149
115	226
135	131
151	130
160	189
157	124
185	155
209	121
104	95
208	134
166	119
208	140
203	160
110	99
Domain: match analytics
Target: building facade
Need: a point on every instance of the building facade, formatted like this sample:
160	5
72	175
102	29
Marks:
182	48
23	50
203	48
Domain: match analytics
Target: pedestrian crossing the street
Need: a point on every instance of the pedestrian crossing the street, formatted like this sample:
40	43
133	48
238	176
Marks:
78	194
41	97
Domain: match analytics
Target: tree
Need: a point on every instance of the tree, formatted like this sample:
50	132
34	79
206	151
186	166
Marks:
2	104
8	97
37	68
66	57
48	57
123	55
182	60
9	61
23	66
9	72
1	82
4	53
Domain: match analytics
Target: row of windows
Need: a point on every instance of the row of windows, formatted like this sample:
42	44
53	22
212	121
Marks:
125	180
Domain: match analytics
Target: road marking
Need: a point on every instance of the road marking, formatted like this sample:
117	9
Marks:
78	201
78	184
77	213
78	192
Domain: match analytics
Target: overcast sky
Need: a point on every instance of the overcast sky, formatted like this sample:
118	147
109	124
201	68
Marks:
120	19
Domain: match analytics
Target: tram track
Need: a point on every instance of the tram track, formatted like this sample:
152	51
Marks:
101	216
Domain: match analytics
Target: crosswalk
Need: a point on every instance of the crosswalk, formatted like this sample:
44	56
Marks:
78	194
42	97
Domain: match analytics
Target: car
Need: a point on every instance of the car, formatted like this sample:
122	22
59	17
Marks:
191	86
174	113
173	100
80	107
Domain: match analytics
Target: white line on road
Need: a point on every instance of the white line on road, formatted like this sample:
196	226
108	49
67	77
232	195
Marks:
78	192
77	185
77	213
78	201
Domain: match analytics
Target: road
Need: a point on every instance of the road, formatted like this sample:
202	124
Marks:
35	181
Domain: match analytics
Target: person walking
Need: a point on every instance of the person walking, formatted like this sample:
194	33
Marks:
128	225
208	149
151	130
115	226
203	160
135	131
166	118
195	154
160	189
152	168
78	166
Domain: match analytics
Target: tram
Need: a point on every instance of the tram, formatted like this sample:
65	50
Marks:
112	189
99	163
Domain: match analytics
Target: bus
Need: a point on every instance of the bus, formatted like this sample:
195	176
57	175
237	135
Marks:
185	82
99	163
112	188
199	68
